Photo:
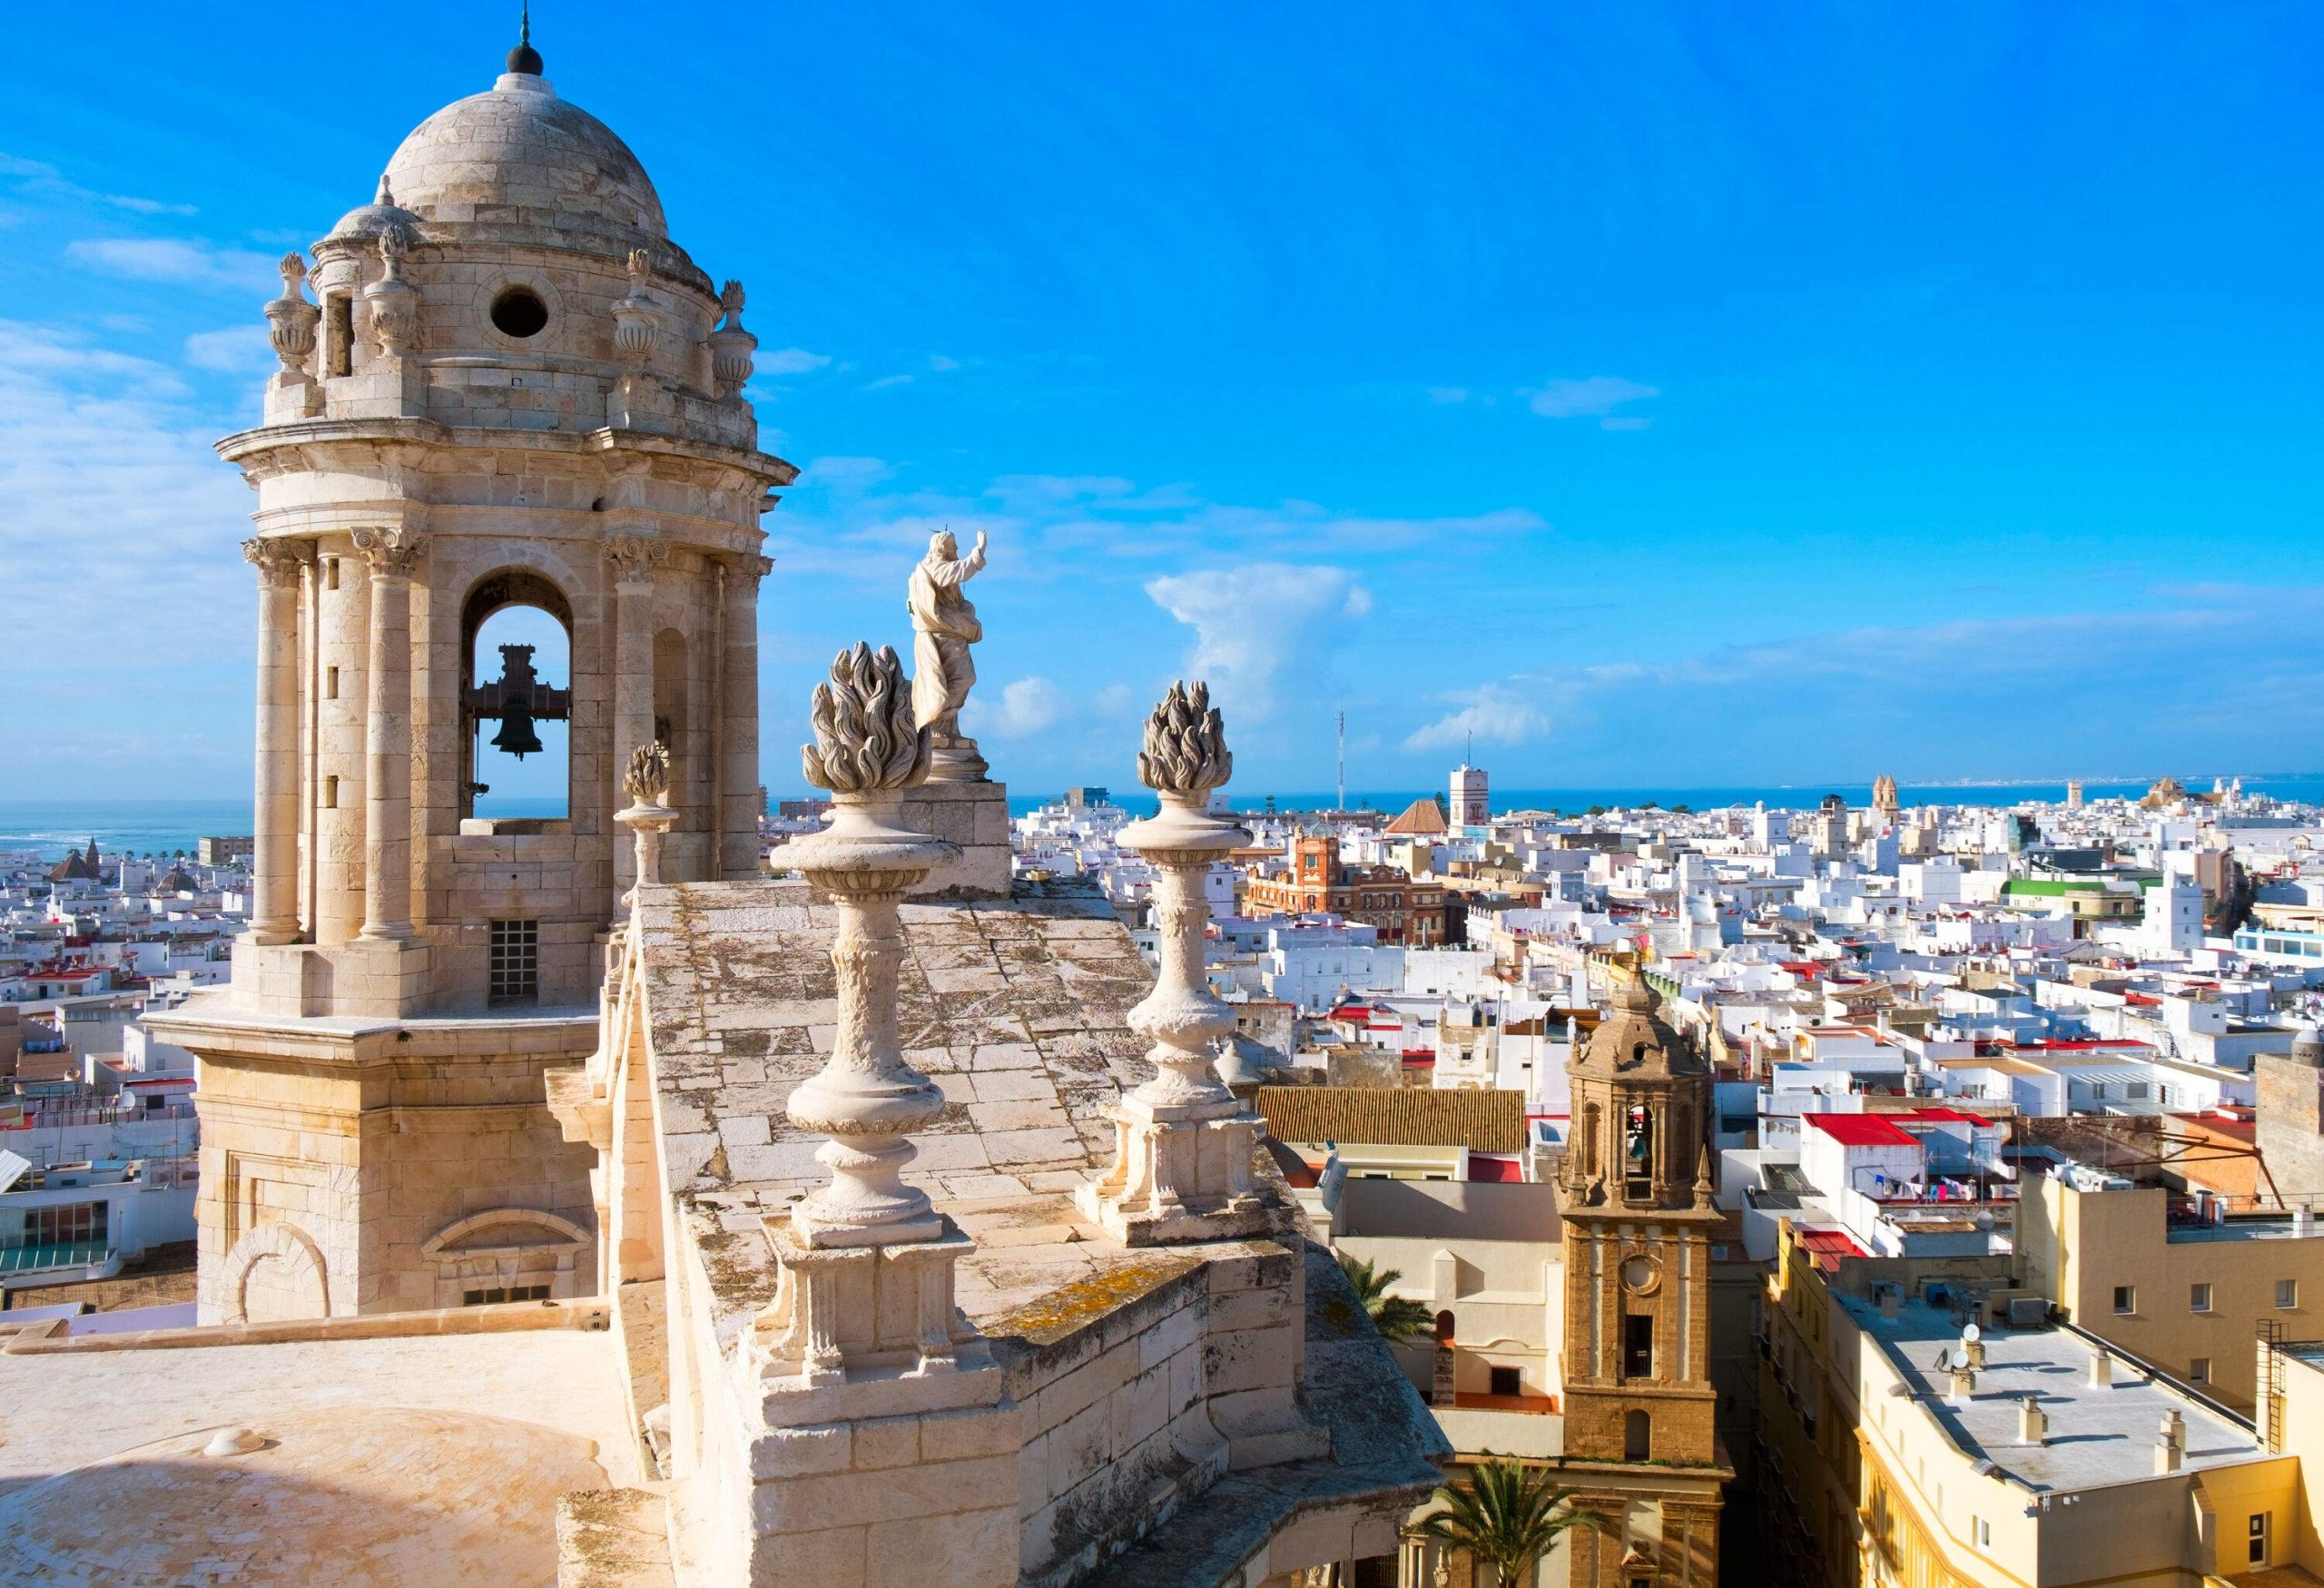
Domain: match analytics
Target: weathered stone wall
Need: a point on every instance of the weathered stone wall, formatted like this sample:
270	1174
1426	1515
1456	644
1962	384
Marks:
326	1175
1159	1397
1127	1417
2291	1123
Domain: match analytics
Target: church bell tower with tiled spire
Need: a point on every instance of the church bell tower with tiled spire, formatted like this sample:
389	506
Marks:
1636	1199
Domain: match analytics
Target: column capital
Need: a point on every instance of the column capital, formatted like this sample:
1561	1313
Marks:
392	551
278	562
634	557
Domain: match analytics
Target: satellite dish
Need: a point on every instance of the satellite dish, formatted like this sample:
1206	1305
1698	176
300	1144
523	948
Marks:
1970	1333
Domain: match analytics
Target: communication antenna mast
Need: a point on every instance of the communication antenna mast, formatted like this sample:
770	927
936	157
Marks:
1343	796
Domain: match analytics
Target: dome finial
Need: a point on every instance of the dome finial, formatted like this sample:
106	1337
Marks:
523	58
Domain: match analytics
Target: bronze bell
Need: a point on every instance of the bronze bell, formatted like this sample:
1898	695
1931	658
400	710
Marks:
516	736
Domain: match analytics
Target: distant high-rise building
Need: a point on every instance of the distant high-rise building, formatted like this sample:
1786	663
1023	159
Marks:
1471	807
2073	794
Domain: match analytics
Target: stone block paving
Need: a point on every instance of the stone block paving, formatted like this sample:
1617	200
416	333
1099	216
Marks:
1014	1007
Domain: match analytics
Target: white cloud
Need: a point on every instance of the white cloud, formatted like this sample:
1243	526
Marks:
790	361
117	511
1499	713
942	365
885	381
177	260
39	177
841	472
2173	676
1026	706
1264	632
1595	396
237	349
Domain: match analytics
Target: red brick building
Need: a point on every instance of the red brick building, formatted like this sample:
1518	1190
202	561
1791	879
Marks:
1407	910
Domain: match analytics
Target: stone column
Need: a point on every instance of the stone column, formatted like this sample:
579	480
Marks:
274	847
386	757
633	560
340	666
1183	1144
735	851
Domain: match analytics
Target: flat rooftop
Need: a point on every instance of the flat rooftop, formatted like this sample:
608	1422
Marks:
2098	1435
2247	1227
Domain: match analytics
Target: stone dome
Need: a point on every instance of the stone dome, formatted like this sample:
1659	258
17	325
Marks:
1635	1039
375	218
520	155
2308	1045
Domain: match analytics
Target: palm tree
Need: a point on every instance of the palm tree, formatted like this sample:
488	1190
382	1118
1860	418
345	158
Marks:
1507	1515
1401	1322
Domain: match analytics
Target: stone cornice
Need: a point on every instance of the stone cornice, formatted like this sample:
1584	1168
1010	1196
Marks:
313	441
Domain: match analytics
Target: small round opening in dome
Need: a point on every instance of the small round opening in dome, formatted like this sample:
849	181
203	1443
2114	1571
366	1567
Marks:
519	313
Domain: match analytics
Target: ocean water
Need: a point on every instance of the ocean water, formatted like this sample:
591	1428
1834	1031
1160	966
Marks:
50	827
2306	787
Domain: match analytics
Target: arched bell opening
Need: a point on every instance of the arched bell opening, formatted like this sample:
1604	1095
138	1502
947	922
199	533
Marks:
1639	1150
517	700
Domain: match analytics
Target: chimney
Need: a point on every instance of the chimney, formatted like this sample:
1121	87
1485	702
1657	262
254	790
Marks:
2172	1442
1890	1298
1972	1347
2102	1369
2303	1220
1963	1386
2032	1422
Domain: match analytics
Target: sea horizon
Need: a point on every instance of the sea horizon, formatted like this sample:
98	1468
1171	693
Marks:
50	827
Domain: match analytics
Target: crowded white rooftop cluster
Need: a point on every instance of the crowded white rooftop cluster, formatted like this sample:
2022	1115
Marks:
2044	958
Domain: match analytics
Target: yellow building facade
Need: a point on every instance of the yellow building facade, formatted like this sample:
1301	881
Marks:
2185	1294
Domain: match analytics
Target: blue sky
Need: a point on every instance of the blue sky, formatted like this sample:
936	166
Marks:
1676	395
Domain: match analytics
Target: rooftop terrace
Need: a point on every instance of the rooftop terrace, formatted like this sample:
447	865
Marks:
2099	1434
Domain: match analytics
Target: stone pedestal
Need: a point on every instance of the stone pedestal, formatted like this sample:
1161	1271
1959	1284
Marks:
1182	1142
975	817
883	1446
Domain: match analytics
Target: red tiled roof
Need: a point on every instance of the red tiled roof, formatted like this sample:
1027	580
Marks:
1858	1130
1826	1247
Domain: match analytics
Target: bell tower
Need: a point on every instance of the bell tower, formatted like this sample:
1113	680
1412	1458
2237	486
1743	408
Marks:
512	398
1636	1202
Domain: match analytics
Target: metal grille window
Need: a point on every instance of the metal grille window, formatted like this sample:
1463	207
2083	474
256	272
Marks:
496	1295
515	965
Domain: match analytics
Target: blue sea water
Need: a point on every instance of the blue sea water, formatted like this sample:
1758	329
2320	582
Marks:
50	827
2305	787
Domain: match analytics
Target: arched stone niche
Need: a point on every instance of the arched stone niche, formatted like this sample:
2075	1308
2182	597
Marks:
275	1274
506	1254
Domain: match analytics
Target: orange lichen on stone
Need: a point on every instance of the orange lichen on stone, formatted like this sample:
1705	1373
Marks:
1070	1306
